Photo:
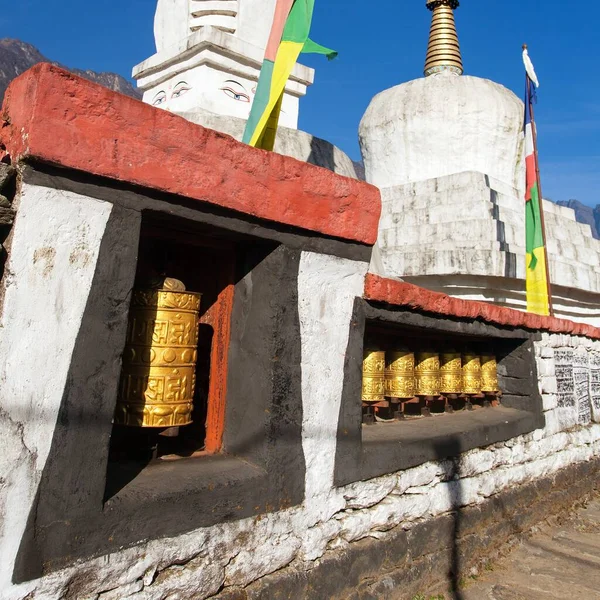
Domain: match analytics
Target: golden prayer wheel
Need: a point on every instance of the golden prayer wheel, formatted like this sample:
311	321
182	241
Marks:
471	366
400	374
427	374
373	383
489	374
451	379
159	361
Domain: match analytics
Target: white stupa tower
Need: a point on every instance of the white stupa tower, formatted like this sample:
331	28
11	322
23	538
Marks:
206	69
209	56
447	152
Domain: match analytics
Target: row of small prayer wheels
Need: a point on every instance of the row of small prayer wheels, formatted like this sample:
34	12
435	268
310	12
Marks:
405	374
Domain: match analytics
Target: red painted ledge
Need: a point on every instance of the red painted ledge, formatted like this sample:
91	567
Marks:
56	117
398	293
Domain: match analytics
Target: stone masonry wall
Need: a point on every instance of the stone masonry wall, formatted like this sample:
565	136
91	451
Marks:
225	558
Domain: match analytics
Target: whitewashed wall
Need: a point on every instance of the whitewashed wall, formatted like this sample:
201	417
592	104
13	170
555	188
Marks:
52	260
199	563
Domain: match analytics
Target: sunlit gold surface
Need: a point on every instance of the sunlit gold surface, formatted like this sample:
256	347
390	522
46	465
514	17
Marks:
400	374
159	361
443	51
471	373
373	383
451	381
427	374
489	374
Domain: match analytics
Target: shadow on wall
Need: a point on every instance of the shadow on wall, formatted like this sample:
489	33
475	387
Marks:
452	448
8	188
322	154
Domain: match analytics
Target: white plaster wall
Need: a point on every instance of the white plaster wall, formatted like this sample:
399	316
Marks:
327	289
199	563
56	239
437	126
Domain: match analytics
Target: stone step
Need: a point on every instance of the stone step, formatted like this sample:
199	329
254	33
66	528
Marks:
483	230
469	210
446	258
419	261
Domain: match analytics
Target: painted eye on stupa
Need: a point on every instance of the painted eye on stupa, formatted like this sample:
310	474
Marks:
159	99
236	91
180	89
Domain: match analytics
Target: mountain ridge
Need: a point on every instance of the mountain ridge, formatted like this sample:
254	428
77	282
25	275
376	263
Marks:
16	57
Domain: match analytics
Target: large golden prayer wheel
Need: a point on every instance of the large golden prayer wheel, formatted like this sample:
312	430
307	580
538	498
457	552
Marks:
489	374
159	361
373	383
400	374
427	374
451	380
471	364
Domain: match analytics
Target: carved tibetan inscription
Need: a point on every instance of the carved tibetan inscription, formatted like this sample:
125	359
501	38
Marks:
565	381
595	386
581	376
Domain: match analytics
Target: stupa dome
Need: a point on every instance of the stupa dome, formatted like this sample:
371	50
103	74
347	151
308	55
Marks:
442	125
445	123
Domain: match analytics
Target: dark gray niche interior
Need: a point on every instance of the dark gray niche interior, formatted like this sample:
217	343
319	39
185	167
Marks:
368	451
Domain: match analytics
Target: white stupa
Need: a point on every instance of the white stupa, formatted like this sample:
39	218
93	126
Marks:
209	55
447	152
206	69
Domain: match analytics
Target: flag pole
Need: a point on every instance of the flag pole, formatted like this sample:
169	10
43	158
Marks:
539	184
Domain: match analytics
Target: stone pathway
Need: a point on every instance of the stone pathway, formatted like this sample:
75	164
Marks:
559	562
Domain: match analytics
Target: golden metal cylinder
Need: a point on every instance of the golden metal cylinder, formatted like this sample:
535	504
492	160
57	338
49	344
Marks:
471	365
373	383
159	361
451	380
400	374
489	374
427	374
443	51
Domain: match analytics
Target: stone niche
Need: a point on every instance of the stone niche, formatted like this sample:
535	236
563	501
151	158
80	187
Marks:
224	466
96	488
368	451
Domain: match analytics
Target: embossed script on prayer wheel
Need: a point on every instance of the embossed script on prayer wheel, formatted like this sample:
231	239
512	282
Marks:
400	374
489	373
427	374
451	380
471	373
373	383
159	362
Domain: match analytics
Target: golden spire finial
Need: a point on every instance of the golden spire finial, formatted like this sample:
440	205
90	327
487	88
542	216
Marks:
443	52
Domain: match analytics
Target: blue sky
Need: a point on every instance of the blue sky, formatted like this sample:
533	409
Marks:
382	44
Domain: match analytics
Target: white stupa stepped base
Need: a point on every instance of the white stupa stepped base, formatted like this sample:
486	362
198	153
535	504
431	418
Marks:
464	235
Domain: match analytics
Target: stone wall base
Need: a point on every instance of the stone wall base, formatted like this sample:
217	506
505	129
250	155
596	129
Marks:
436	553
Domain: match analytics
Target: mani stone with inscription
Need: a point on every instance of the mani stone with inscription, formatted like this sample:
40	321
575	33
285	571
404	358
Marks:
447	152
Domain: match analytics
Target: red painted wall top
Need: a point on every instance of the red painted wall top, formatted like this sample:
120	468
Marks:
56	117
398	293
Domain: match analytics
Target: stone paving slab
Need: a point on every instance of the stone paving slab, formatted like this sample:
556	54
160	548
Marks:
559	562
